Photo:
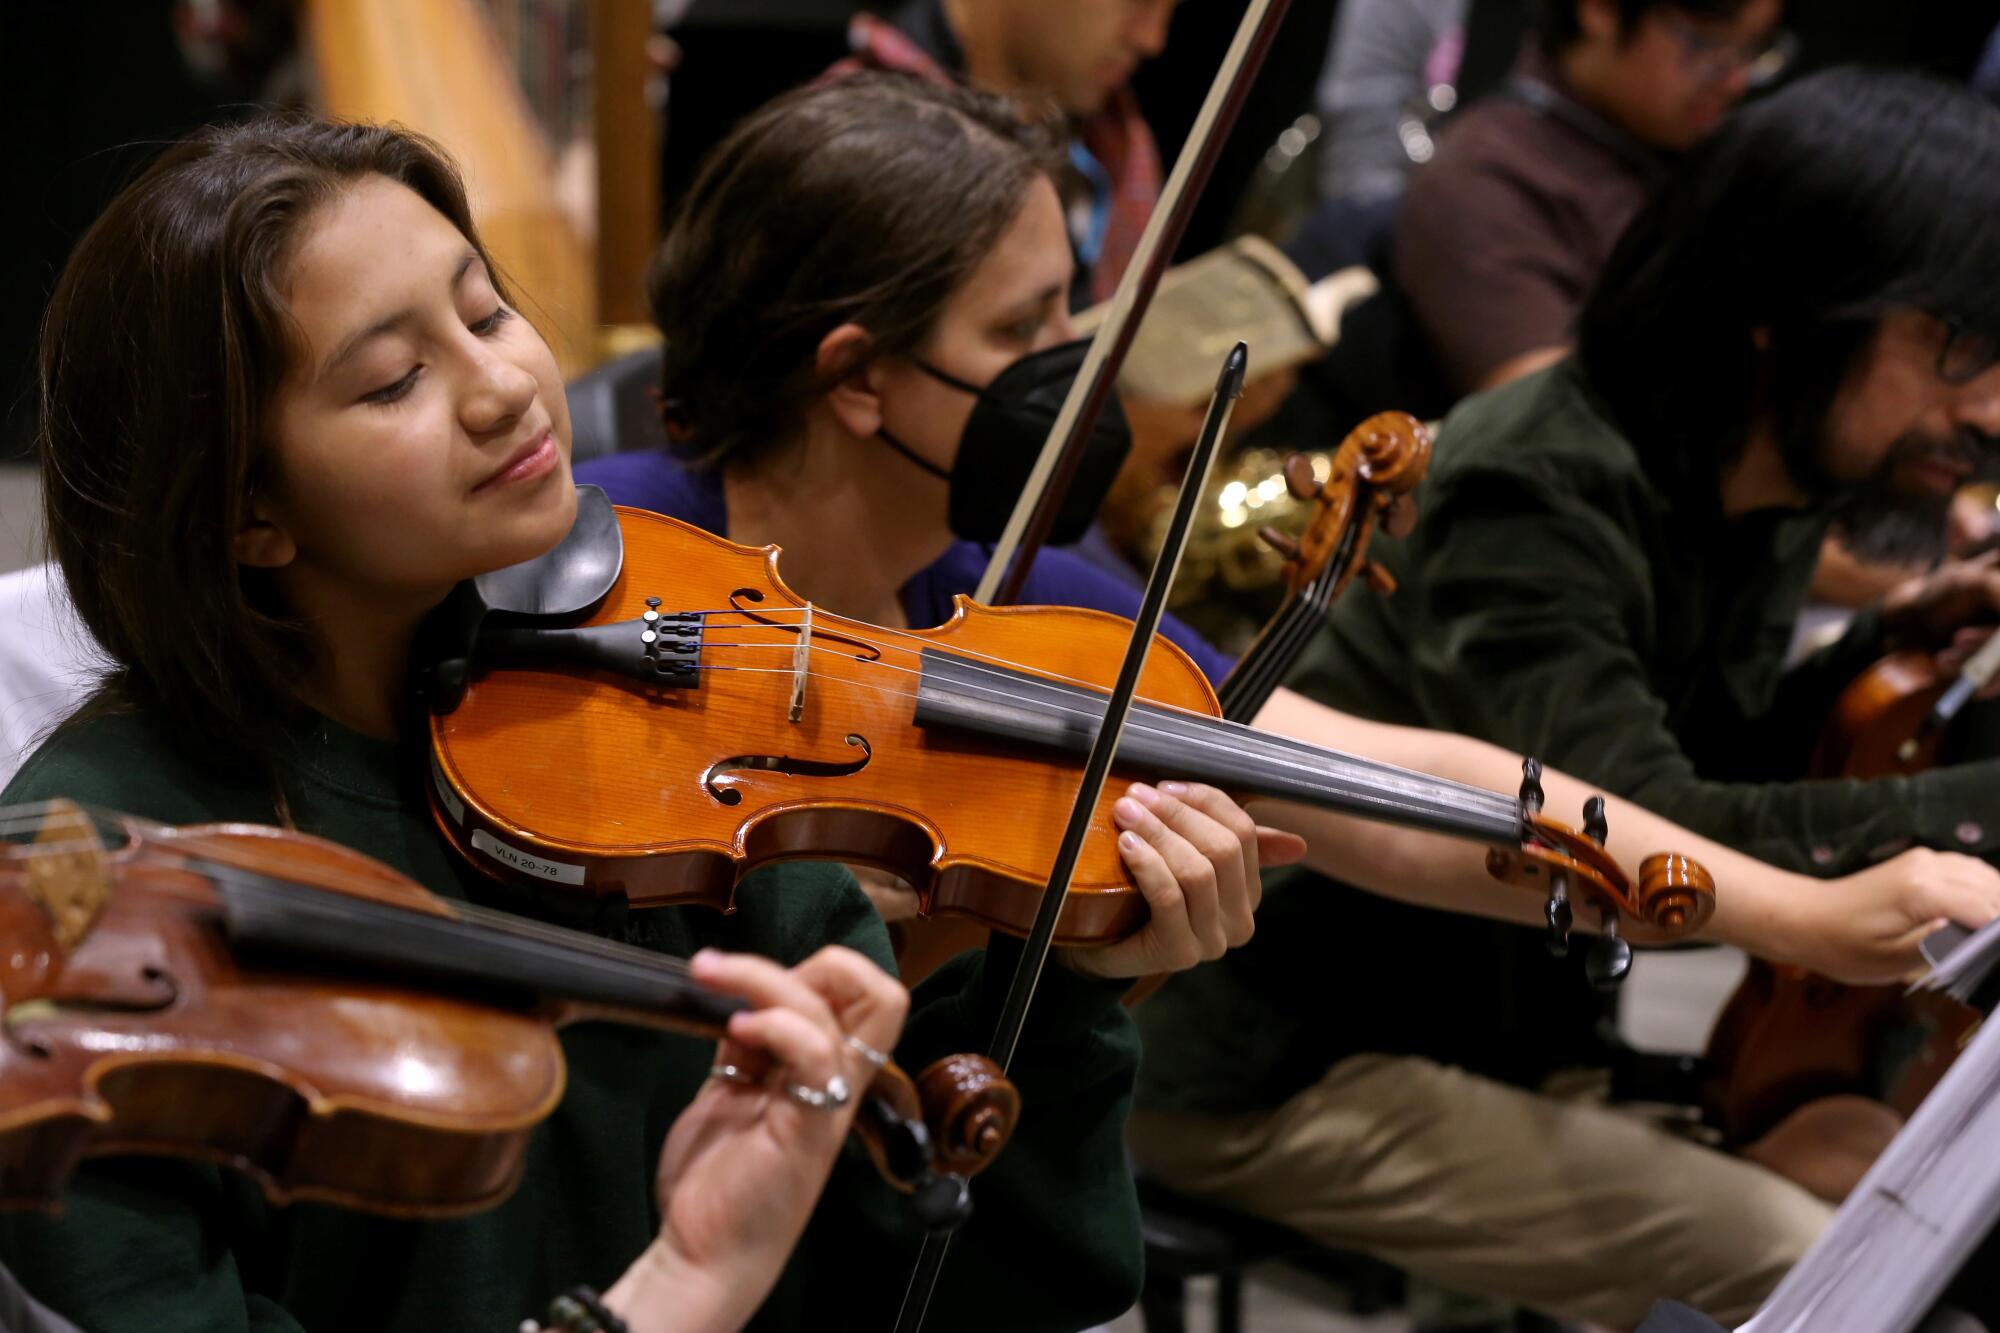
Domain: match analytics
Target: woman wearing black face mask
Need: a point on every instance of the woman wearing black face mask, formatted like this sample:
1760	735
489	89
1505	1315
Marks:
864	377
864	302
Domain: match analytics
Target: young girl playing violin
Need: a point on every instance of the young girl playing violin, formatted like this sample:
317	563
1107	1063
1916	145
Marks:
286	405
863	299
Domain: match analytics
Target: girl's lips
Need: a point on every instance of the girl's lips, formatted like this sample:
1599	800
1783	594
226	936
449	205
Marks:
533	462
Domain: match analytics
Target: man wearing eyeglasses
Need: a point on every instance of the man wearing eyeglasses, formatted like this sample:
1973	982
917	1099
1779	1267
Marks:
1502	233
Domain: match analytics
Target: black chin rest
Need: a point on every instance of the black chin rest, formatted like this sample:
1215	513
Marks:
572	578
561	585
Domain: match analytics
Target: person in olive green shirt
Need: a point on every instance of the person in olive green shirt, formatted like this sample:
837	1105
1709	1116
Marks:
286	407
1611	554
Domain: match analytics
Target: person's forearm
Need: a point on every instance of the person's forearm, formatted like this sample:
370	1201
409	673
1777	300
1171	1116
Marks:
1434	870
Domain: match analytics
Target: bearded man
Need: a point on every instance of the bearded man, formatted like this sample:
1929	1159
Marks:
1798	332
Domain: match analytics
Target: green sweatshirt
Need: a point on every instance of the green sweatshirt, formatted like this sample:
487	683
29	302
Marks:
154	1245
1563	597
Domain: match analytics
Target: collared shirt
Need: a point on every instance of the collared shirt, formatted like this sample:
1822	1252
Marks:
1118	163
1501	234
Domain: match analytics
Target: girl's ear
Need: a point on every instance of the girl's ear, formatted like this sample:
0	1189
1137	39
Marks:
843	359
263	541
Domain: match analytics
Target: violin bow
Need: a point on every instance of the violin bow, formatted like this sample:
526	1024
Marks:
1035	512
1096	768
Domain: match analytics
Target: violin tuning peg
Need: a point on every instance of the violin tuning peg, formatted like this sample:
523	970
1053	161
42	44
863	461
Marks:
1299	478
1560	918
1609	961
1283	543
1595	827
1378	578
1531	786
1401	518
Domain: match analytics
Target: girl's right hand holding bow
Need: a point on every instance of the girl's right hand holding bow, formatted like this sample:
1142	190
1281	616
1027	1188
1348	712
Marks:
746	1161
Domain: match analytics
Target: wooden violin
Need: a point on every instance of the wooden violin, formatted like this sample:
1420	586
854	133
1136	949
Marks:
1369	482
1788	1036
704	719
305	1014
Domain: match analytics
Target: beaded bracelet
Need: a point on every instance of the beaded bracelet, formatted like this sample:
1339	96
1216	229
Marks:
578	1310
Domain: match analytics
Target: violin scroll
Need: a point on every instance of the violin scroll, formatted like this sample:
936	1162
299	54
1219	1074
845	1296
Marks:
1675	895
971	1110
1369	481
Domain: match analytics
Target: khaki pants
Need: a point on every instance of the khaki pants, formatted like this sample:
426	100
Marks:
1568	1208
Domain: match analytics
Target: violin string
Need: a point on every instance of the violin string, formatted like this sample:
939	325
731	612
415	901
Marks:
224	854
467	920
1303	762
473	913
833	627
551	943
1308	768
1296	621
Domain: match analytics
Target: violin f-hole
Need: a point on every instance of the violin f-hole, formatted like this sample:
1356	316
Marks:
15	1018
719	772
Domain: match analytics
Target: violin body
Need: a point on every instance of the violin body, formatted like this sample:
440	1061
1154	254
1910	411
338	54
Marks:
1877	715
278	1004
148	1035
603	783
1788	1036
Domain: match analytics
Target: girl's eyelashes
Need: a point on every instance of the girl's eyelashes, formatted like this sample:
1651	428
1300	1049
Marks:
390	393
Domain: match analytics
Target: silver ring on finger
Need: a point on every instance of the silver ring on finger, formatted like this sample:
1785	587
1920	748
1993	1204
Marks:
832	1097
733	1074
867	1052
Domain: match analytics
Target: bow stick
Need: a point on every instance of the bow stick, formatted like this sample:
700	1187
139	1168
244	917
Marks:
1096	768
1035	512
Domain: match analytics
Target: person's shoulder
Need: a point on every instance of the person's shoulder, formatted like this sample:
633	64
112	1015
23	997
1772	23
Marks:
1545	424
1064	578
645	479
1502	143
120	760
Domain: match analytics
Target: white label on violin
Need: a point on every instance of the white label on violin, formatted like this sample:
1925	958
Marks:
452	805
562	872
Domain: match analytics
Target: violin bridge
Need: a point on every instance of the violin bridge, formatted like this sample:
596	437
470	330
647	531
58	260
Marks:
66	872
801	658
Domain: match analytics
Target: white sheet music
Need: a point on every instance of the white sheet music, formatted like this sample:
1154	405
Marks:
1901	1237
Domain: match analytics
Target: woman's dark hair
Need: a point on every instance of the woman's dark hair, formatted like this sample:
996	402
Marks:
868	201
164	345
1555	20
1810	215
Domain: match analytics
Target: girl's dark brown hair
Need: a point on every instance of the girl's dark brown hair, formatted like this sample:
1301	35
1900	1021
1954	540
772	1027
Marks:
867	201
164	346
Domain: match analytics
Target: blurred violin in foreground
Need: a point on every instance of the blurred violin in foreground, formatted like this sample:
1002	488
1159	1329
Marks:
303	1013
